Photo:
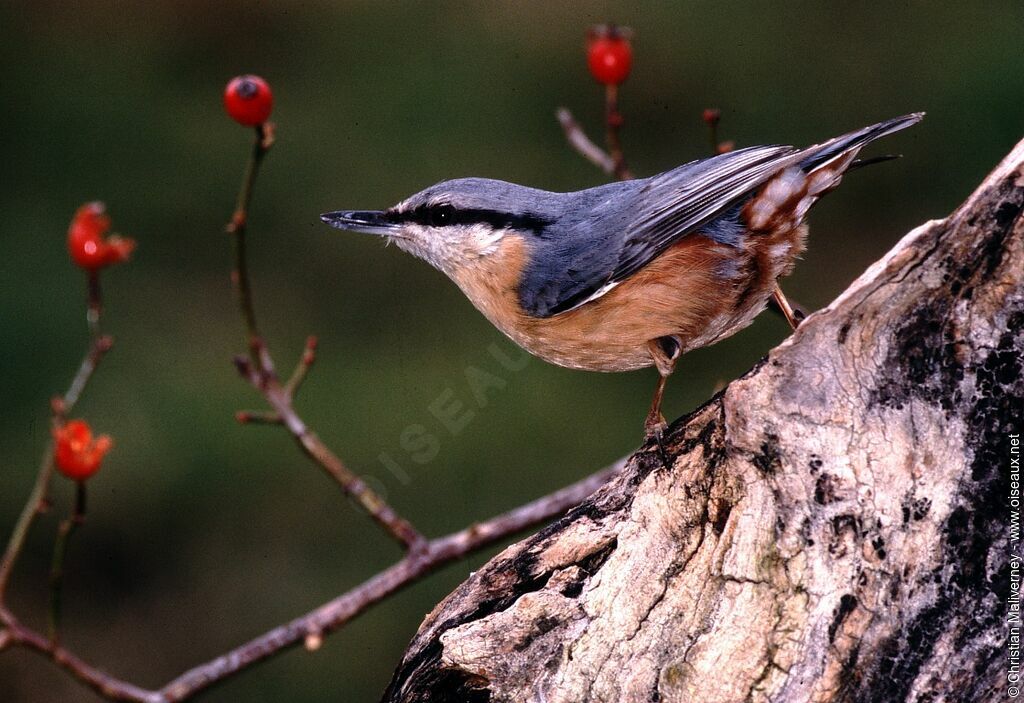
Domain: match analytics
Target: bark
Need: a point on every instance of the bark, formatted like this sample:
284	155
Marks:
831	527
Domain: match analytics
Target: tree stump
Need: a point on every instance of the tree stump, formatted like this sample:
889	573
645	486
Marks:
831	527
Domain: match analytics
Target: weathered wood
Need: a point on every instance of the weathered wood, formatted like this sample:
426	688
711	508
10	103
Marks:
832	526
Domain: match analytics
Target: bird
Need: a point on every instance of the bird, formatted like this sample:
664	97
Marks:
633	273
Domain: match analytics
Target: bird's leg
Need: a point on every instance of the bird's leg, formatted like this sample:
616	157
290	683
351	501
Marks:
665	352
793	316
655	423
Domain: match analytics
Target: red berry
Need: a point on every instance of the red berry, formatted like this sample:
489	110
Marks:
248	100
78	454
711	115
86	244
610	57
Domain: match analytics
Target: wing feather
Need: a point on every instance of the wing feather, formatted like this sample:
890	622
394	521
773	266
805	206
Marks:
665	208
680	201
630	223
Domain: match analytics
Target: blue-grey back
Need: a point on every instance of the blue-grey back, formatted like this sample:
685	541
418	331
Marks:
607	234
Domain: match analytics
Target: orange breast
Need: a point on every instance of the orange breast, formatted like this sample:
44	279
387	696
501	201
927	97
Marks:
681	292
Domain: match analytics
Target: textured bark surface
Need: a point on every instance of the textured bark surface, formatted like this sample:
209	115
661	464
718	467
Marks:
831	527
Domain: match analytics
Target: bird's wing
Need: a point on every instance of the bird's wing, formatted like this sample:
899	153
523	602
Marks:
680	201
626	228
648	218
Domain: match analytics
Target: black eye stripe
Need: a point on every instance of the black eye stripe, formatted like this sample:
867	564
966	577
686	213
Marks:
442	214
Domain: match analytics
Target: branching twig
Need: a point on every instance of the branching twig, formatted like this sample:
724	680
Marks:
579	141
259	371
422	556
61	407
302	368
612	162
335	613
328	617
99	347
17	634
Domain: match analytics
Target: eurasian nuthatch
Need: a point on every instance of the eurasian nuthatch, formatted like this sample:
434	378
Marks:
631	273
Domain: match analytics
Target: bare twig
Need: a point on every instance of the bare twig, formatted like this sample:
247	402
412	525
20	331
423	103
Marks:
302	368
259	371
100	681
579	141
62	406
257	417
94	303
333	614
101	344
34	506
421	558
613	123
611	162
328	617
312	446
237	227
60	549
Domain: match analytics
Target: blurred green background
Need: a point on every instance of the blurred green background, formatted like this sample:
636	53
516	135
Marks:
202	533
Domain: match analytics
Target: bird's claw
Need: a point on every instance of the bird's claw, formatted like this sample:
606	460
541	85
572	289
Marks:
654	429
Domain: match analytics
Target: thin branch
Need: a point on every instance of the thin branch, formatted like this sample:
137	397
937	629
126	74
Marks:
38	499
98	680
94	303
613	123
259	371
422	557
586	148
328	617
302	368
579	141
314	448
101	344
333	614
14	633
257	417
34	506
237	227
60	549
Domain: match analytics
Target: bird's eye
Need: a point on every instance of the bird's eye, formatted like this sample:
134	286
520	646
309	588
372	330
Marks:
440	215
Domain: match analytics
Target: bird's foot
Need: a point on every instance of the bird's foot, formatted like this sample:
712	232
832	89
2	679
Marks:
654	429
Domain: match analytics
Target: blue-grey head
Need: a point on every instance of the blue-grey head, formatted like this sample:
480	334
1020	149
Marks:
454	223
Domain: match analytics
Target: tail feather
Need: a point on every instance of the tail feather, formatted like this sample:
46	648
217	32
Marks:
861	163
788	195
821	154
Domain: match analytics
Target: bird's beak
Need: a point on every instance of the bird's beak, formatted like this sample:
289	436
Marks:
368	221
